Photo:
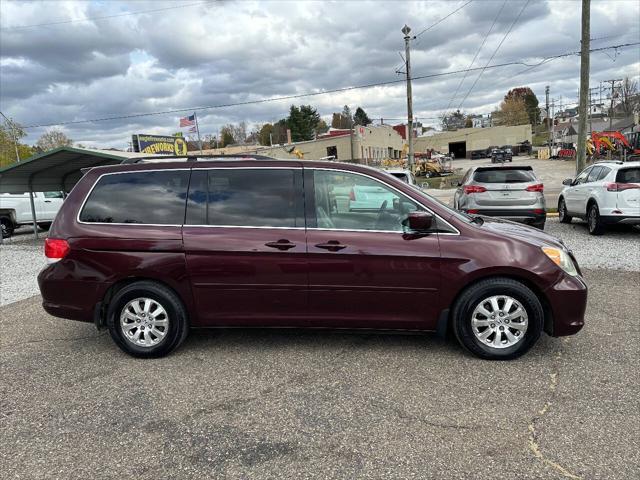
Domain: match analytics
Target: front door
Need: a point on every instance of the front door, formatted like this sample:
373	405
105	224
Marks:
245	245
575	195
364	271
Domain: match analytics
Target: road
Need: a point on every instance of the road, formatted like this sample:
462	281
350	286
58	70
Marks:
274	404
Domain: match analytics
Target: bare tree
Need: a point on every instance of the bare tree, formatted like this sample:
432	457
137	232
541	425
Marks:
53	139
629	97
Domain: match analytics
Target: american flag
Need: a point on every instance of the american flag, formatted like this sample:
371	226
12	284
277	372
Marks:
192	129
188	121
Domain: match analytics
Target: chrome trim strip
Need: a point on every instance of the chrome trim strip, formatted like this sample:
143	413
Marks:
457	232
243	226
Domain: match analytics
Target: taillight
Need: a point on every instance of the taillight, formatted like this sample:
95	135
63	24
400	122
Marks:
620	187
352	195
539	187
472	210
474	189
538	211
55	249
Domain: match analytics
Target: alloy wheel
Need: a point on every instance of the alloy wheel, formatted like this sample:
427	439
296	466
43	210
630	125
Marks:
593	219
499	321
144	322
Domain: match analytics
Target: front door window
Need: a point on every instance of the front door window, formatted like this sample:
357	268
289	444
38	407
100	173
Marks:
347	201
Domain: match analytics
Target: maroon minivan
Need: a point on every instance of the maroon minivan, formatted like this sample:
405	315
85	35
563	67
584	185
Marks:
154	248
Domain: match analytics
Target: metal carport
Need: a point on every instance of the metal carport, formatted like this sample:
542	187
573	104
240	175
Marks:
56	170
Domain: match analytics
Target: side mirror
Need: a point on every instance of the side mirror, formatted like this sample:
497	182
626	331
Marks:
420	221
567	181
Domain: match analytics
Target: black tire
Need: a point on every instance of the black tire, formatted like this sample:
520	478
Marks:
469	299
178	325
563	216
539	225
44	226
594	221
6	226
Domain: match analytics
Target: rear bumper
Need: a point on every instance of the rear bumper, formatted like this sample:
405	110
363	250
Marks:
568	301
520	215
620	219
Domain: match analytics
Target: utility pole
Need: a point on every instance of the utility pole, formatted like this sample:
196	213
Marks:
406	30
549	118
613	89
584	86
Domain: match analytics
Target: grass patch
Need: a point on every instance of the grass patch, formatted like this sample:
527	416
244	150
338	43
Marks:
439	183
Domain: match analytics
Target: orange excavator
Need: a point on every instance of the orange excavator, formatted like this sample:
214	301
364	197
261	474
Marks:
613	141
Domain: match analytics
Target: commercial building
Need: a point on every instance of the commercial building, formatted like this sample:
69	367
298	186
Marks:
368	145
465	140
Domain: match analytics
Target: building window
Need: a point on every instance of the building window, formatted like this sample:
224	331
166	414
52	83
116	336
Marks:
332	152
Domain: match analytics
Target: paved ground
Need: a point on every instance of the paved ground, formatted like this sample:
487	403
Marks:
264	404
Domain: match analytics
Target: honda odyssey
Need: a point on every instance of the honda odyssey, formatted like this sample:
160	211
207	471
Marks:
152	249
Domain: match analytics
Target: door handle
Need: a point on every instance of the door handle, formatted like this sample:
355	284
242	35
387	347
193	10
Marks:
331	245
282	244
47	201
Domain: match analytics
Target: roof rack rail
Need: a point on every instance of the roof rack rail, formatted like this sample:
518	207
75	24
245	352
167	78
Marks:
194	158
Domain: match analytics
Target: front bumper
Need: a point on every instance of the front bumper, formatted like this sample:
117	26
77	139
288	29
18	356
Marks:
568	302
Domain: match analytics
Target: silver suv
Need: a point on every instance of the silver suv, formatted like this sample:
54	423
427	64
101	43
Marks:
604	193
511	192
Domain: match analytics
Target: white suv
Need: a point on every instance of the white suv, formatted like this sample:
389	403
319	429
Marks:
603	193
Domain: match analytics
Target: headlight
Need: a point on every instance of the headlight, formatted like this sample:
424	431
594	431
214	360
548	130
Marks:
561	258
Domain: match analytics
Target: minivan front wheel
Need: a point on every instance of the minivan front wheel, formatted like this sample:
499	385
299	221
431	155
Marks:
146	319
498	319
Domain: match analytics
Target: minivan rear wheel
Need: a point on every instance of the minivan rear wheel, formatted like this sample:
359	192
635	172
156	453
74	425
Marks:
146	319
498	319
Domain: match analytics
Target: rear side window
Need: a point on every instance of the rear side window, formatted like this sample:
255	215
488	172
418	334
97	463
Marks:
246	198
138	197
628	175
605	171
504	175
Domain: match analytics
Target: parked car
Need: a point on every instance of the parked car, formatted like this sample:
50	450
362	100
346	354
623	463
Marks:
150	250
15	210
509	192
500	156
604	193
478	154
405	175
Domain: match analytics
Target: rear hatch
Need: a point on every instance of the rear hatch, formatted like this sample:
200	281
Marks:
507	187
627	187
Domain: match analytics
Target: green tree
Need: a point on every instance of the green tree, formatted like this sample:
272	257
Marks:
303	122
361	117
342	119
530	101
7	146
322	127
226	136
265	133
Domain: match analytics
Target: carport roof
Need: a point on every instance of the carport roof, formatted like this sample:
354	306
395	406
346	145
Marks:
58	169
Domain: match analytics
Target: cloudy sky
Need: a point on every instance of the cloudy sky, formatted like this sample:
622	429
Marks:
63	61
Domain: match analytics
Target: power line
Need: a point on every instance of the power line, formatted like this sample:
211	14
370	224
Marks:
442	19
314	94
105	17
434	24
494	52
484	40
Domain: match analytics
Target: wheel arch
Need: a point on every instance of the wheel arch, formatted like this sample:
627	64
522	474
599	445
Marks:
100	314
538	292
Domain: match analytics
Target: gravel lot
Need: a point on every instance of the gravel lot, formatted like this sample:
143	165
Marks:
20	262
270	404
